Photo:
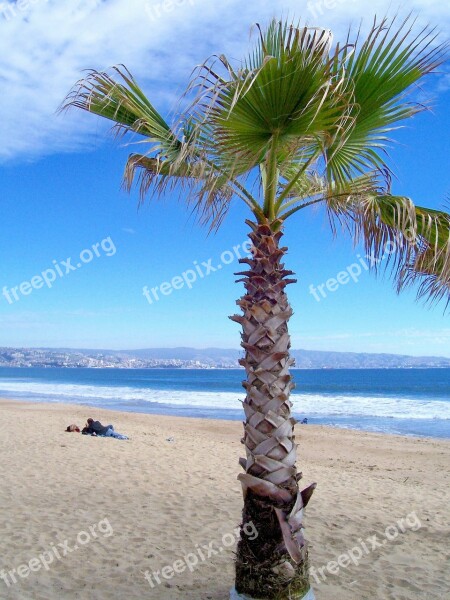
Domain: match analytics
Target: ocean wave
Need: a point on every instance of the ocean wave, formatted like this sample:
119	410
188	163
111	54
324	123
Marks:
308	404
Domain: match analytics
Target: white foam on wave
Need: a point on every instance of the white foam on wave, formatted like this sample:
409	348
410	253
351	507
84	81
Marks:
306	404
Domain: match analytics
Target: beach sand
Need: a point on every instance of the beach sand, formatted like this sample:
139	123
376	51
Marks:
140	505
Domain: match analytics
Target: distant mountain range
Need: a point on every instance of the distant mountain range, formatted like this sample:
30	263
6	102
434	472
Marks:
304	359
204	358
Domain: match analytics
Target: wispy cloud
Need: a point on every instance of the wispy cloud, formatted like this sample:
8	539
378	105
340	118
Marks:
46	44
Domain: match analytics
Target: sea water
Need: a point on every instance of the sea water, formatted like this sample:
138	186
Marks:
400	401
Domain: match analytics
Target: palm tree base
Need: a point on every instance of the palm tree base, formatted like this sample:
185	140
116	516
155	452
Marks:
302	596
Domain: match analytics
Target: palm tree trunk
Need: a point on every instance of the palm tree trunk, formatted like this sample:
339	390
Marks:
274	565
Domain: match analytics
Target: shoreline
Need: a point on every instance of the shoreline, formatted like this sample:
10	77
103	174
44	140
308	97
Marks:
236	424
222	415
116	412
173	487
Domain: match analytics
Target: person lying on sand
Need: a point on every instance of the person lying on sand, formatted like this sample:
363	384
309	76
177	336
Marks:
96	428
71	428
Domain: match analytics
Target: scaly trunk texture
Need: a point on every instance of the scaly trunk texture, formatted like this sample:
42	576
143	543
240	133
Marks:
274	565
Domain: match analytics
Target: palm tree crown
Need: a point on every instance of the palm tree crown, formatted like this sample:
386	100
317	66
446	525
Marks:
312	122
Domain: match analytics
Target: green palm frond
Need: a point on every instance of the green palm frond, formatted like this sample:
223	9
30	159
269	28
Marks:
430	264
124	103
206	191
173	160
283	92
312	188
380	75
413	240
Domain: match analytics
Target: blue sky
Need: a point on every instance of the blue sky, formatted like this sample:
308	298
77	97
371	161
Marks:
61	197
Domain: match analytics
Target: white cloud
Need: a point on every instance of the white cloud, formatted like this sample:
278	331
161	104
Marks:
46	44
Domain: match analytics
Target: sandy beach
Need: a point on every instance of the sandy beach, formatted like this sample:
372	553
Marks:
88	518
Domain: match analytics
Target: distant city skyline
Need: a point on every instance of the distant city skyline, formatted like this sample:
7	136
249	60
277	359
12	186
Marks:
208	358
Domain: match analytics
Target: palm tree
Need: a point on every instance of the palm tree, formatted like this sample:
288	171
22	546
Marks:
300	122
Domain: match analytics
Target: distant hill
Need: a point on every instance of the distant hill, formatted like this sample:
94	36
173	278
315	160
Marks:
304	359
205	358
